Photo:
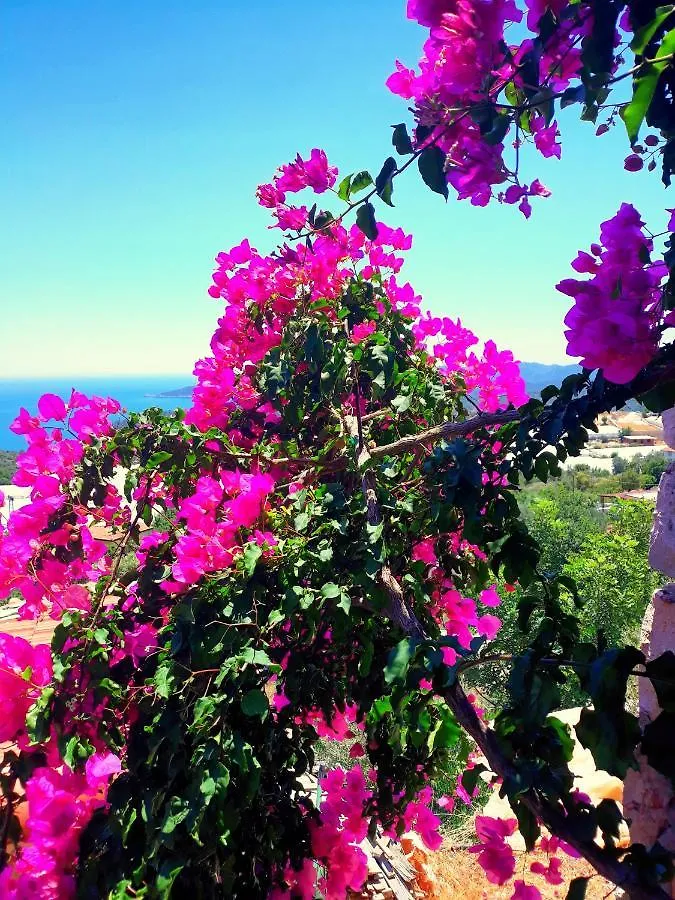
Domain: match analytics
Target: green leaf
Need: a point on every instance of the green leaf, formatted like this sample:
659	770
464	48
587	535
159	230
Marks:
402	403
401	140
399	660
384	184
431	164
527	824
252	553
577	888
659	398
563	735
513	94
163	682
178	810
330	591
541	468
361	181
499	130
644	35
255	704
301	521
158	458
366	660
365	219
644	86
168	872
257	658
344	188
469	777
573	95
345	602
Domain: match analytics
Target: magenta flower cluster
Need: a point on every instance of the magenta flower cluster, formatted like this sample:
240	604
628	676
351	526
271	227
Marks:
464	64
617	318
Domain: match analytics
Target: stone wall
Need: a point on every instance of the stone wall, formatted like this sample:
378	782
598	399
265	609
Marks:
649	801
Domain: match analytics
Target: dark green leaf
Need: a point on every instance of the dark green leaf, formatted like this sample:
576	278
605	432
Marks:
383	183
401	140
399	659
527	824
158	458
469	777
431	164
644	35
577	888
499	130
644	86
660	398
573	95
365	219
254	703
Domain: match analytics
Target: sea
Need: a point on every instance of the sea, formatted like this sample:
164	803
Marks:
135	393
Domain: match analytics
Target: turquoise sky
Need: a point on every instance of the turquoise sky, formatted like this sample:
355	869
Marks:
134	135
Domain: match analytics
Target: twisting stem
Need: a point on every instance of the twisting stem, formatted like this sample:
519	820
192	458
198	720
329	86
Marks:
552	817
446	430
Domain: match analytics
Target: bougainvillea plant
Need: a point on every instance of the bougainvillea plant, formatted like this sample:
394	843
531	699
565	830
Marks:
312	550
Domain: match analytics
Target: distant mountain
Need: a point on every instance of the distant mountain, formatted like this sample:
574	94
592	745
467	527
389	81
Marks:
539	375
176	392
536	375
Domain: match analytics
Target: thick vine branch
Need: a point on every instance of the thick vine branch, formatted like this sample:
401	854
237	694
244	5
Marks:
486	740
444	432
398	610
554	819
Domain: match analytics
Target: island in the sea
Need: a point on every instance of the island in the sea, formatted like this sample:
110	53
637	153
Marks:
176	392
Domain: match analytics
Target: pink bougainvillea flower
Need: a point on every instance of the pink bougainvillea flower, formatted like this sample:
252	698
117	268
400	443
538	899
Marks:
495	856
362	331
633	163
489	626
546	137
614	322
522	891
51	407
490	596
24	671
100	768
424	551
551	872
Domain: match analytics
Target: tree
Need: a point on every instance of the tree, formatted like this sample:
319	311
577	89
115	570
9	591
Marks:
612	574
328	522
619	465
560	521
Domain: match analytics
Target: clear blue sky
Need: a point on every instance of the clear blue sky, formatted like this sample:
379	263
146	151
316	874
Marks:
135	133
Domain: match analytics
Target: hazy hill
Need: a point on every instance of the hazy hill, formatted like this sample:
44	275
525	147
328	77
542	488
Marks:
540	375
536	375
176	392
7	466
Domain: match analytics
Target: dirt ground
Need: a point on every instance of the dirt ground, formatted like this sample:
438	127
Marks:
459	876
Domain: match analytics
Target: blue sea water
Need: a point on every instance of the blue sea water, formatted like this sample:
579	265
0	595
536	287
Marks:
135	393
